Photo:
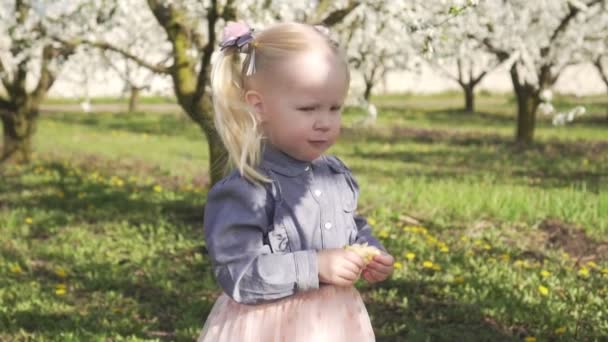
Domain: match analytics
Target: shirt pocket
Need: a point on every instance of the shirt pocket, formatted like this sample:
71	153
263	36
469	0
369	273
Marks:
278	239
348	203
348	196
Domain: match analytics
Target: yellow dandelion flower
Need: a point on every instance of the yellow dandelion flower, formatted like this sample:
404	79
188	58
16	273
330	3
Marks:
530	339
505	257
431	239
60	272
518	263
583	272
444	249
16	269
592	264
409	256
158	188
560	330
487	246
28	220
605	271
60	289
398	265
545	273
543	290
436	267
371	221
383	234
428	264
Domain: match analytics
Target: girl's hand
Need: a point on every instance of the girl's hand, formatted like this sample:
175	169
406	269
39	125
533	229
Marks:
380	268
339	267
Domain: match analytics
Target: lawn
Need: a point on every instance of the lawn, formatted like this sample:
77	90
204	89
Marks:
101	236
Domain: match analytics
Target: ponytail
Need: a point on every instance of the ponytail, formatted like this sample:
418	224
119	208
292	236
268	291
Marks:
234	120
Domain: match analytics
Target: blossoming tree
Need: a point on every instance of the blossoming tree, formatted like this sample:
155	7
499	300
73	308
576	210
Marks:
30	61
541	38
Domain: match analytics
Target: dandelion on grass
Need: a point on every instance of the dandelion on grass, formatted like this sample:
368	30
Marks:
592	264
16	269
545	273
530	339
459	280
560	330
158	188
543	290
398	265
60	272
583	272
60	289
28	220
409	256
431	265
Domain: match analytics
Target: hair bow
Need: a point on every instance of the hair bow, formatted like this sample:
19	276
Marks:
239	35
236	35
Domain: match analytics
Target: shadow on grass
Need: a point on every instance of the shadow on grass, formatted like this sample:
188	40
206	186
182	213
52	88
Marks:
429	315
124	299
137	122
460	155
69	194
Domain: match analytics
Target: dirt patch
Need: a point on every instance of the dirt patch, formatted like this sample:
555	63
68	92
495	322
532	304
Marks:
573	241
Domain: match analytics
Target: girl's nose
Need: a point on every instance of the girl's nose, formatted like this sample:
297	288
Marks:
322	123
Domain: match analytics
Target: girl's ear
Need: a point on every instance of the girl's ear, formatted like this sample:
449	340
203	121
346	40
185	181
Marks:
254	100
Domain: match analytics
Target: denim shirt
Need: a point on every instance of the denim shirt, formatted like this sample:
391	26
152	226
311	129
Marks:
263	239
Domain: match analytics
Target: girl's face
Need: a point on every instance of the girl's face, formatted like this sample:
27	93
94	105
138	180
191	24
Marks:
300	103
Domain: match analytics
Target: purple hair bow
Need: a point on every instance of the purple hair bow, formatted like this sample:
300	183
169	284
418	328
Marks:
239	35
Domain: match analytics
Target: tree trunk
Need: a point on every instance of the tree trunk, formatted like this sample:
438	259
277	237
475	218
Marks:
202	114
18	130
469	98
527	103
368	90
134	99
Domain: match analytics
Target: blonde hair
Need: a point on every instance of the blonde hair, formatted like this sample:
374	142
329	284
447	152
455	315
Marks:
234	120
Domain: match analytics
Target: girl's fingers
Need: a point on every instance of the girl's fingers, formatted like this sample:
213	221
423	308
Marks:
379	267
384	259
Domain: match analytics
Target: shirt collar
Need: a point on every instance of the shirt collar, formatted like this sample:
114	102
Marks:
280	162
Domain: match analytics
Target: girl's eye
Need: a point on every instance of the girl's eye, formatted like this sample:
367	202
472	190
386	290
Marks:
307	109
335	108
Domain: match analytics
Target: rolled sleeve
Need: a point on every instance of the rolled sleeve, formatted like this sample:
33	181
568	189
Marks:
307	270
236	220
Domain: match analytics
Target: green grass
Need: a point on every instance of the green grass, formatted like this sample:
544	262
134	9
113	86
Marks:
102	234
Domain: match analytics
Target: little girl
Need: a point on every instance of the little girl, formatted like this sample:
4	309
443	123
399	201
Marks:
276	227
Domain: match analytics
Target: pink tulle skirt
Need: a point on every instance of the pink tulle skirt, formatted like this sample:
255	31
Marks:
329	314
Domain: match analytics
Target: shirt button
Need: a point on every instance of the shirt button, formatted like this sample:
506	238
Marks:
307	168
318	193
327	225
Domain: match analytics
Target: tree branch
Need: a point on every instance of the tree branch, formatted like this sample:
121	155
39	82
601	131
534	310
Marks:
600	67
566	20
4	76
338	15
158	68
212	17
